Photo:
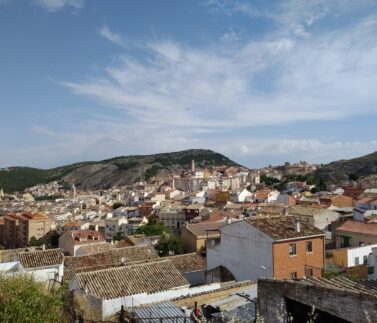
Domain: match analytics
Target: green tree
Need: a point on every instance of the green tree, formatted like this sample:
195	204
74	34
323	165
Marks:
34	242
169	244
22	299
119	236
153	228
353	177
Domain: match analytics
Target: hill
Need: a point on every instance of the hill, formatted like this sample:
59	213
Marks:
103	174
343	170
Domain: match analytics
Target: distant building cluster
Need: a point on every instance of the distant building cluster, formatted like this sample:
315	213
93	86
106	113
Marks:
251	251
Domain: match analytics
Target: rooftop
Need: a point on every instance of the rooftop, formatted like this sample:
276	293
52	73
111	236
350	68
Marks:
200	229
358	227
41	258
283	227
130	280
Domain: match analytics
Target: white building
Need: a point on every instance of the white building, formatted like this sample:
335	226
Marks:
71	242
44	265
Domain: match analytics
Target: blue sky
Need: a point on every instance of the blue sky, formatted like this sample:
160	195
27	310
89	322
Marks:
261	81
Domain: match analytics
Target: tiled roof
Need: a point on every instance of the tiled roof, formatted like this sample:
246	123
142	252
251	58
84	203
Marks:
189	262
9	255
134	279
41	258
358	227
303	210
199	229
90	249
283	227
112	257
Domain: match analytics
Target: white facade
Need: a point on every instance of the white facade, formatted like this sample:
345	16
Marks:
244	250
359	255
109	307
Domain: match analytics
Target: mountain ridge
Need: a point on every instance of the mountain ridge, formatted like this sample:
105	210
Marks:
120	170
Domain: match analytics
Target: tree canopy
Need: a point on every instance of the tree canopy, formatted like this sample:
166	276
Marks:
153	228
169	244
22	299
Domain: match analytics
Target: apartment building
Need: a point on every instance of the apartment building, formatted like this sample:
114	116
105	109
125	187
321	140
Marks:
33	225
11	231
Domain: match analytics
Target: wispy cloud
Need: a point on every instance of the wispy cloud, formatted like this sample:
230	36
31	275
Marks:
115	38
272	81
55	5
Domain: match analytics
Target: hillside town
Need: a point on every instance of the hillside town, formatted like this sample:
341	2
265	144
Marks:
216	244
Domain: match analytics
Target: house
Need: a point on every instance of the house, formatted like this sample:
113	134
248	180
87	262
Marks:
286	199
44	265
194	210
336	201
173	217
280	247
356	233
114	226
194	236
241	197
349	257
105	291
70	242
320	218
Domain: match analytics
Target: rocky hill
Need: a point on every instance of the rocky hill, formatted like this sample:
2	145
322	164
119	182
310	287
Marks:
122	170
343	170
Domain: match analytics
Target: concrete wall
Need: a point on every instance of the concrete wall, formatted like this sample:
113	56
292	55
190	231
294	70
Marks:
245	251
196	277
344	304
112	306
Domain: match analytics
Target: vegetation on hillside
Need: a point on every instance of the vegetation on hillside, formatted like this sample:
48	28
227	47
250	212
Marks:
115	171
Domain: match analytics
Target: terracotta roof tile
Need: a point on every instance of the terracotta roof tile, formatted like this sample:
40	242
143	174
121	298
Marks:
130	280
358	227
283	227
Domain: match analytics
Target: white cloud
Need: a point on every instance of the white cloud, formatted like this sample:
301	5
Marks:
55	5
115	38
267	82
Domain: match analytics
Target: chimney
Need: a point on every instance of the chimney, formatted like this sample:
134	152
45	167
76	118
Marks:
286	211
228	219
43	247
297	225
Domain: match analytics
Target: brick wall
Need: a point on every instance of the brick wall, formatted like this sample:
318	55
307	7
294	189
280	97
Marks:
284	264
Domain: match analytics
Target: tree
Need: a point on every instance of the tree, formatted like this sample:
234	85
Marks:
119	236
153	228
22	299
353	177
169	244
34	242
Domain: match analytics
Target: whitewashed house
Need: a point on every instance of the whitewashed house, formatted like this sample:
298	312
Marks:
71	242
44	265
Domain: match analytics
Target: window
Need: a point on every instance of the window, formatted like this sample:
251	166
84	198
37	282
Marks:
293	275
365	259
292	249
309	272
356	260
361	243
309	246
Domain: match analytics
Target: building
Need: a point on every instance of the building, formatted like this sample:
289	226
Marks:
280	247
11	231
33	225
349	257
355	234
105	291
44	265
194	236
173	217
337	300
71	242
336	201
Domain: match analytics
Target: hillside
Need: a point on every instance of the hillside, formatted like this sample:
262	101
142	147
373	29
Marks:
122	170
341	170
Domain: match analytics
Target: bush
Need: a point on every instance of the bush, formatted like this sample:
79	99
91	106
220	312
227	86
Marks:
22	299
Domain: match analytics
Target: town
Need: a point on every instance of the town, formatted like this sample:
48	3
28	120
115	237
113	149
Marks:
214	244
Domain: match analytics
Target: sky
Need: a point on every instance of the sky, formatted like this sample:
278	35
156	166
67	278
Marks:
262	82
